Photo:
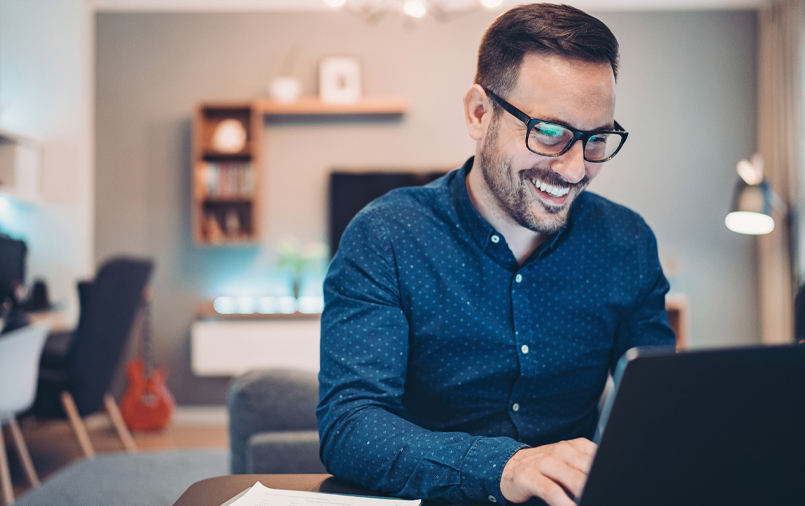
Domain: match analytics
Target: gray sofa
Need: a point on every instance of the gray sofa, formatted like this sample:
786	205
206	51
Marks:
272	423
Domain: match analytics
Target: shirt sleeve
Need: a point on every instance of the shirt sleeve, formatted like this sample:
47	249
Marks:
647	323
366	435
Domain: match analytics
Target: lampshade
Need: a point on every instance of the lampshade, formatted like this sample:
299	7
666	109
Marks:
751	209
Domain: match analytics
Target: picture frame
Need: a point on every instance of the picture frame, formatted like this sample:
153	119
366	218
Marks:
340	80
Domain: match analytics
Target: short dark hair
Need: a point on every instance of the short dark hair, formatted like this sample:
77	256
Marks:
549	29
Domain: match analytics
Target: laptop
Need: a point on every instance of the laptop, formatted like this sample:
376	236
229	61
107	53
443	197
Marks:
709	427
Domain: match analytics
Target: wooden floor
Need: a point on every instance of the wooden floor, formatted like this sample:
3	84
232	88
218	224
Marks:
52	444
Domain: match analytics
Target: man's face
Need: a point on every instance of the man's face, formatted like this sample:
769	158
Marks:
551	88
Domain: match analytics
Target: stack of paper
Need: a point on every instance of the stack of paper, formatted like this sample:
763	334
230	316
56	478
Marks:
260	495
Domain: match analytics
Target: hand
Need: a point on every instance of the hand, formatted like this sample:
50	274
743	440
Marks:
549	472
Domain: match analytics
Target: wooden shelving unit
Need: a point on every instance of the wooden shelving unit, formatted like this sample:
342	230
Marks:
226	185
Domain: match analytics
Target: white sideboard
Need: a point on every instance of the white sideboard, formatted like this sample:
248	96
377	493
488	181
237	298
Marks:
230	347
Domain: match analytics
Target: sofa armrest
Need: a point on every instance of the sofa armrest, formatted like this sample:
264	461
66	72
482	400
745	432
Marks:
289	452
274	400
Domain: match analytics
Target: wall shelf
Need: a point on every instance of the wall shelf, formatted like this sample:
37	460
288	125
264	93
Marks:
20	161
312	106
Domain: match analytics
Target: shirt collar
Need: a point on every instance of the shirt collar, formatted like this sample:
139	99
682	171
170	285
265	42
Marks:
476	226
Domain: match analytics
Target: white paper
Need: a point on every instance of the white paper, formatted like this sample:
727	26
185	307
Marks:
260	495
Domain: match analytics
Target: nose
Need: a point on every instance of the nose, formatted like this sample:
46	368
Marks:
571	164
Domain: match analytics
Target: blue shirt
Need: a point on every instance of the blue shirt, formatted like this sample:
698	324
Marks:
441	356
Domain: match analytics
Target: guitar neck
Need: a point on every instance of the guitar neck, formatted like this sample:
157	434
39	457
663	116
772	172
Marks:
147	339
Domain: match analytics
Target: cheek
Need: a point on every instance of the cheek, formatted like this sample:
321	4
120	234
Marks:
592	169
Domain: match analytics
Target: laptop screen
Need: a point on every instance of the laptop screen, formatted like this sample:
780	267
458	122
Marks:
707	427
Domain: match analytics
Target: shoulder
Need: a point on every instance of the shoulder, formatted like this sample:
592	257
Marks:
410	203
399	214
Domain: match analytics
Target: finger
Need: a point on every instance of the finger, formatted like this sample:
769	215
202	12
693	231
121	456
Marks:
575	457
565	475
550	492
584	445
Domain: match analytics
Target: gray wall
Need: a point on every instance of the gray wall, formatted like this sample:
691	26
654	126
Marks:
686	94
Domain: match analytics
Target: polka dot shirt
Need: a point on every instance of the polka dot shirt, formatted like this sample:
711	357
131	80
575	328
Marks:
441	356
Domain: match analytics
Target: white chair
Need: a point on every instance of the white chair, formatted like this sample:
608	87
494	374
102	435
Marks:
20	351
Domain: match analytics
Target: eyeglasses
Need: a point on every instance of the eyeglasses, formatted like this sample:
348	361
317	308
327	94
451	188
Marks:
552	139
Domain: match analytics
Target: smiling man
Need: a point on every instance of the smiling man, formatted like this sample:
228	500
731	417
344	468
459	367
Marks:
469	325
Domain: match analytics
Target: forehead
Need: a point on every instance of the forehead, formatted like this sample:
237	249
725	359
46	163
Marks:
571	91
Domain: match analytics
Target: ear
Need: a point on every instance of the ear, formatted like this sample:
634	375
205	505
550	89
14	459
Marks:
477	111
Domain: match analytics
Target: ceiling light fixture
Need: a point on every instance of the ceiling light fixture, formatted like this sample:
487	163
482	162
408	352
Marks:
372	11
414	8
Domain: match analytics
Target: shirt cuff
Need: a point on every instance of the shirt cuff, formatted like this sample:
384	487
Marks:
482	468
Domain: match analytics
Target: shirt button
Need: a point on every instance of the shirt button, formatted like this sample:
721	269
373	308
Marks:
492	498
495	239
518	278
524	349
515	407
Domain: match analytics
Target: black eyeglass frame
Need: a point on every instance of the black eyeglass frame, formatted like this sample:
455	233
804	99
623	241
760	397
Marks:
577	134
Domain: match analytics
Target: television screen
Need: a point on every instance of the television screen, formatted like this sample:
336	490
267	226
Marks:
12	265
352	191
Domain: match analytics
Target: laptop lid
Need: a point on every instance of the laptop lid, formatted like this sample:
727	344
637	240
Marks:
706	427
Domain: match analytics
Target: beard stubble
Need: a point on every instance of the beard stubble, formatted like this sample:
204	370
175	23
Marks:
511	191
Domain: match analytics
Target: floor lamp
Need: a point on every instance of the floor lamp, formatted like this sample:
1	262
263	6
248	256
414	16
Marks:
752	205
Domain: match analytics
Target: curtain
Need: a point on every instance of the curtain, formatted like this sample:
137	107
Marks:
780	142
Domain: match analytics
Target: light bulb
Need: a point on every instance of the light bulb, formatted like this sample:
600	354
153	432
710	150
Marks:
335	3
414	8
225	305
491	4
245	305
744	222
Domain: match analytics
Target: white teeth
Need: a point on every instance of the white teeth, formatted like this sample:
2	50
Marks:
550	189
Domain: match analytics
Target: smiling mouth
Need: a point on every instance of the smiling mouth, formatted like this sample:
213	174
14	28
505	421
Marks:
553	191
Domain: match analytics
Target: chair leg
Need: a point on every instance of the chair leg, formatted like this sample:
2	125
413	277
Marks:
22	451
78	426
5	474
117	420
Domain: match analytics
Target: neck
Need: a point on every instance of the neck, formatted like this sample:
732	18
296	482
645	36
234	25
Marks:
522	241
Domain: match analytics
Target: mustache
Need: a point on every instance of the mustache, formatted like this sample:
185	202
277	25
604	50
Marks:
552	178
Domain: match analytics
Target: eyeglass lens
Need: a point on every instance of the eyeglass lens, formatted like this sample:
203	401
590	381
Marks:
551	139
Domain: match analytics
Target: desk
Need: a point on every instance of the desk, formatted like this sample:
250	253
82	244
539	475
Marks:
218	490
58	319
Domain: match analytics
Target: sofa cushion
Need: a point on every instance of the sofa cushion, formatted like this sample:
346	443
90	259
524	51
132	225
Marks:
285	452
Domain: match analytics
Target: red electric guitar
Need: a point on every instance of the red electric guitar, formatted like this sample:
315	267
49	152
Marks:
147	405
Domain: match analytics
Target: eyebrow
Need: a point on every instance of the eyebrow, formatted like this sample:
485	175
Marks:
550	119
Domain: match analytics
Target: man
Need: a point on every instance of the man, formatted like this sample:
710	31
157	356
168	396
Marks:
469	325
